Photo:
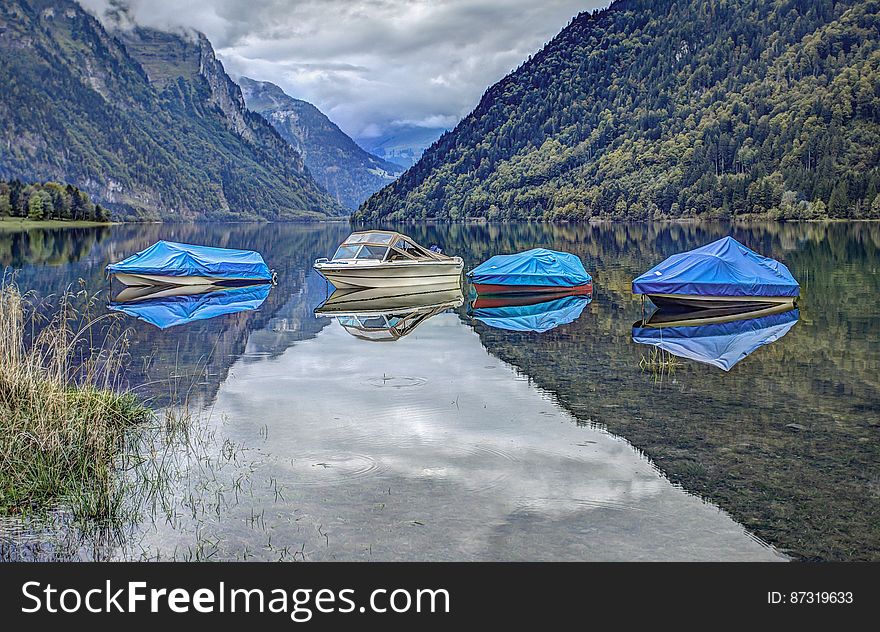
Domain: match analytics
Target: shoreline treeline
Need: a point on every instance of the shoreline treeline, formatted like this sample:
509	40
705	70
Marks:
48	200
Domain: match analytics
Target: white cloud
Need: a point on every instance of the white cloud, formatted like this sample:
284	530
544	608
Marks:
371	64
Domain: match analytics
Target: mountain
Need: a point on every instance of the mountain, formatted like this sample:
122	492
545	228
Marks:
403	145
346	171
670	108
147	123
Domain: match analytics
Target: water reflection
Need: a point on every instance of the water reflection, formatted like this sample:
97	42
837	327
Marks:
720	337
385	314
787	443
171	306
432	449
536	312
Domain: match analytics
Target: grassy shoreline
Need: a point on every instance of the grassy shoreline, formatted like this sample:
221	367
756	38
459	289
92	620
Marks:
23	223
62	418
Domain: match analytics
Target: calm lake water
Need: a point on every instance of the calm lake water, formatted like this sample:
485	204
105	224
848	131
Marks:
462	440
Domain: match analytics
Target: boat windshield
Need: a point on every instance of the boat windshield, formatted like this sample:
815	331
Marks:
410	248
366	251
374	322
382	246
346	252
377	327
372	252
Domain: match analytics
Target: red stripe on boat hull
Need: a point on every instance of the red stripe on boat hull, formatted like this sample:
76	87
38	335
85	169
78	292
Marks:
487	288
484	301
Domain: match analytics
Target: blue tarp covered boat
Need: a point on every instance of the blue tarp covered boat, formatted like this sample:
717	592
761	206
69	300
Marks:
167	262
536	270
723	271
720	344
166	309
537	316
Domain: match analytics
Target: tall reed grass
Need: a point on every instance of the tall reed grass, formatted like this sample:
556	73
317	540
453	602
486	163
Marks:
63	414
660	363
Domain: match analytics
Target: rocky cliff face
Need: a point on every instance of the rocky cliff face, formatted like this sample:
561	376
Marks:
172	58
147	123
225	93
346	171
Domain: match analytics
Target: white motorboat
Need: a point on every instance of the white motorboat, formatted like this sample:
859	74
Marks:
387	259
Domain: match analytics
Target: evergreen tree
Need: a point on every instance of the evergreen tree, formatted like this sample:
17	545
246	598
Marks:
839	204
16	198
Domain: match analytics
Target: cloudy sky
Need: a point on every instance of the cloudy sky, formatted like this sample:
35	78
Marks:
369	65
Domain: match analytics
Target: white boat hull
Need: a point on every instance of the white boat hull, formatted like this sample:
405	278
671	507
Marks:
133	293
397	274
156	279
152	280
383	300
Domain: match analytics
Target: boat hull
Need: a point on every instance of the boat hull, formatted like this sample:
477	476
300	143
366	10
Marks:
133	293
488	301
380	300
692	300
130	279
709	315
494	289
391	274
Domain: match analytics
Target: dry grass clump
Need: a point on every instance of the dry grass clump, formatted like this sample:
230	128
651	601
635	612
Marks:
63	417
660	363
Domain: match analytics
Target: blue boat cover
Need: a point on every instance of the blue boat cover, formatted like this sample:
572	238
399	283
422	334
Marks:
168	258
718	344
169	311
540	317
538	266
722	268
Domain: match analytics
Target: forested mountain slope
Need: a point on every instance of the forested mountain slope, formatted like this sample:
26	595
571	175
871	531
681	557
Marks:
147	123
345	170
670	108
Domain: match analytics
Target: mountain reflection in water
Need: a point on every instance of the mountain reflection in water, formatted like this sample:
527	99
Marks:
466	441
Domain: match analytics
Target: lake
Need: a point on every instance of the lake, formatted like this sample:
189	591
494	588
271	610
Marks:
458	439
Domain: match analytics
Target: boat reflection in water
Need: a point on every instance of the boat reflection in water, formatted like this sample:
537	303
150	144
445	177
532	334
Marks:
388	314
720	337
530	312
170	305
